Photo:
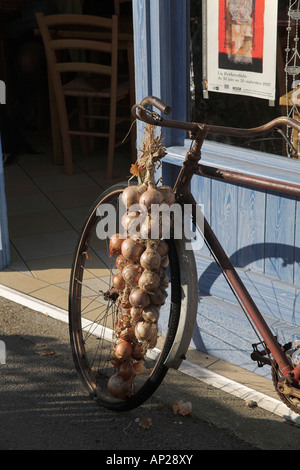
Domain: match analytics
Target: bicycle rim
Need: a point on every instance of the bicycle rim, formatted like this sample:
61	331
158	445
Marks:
93	314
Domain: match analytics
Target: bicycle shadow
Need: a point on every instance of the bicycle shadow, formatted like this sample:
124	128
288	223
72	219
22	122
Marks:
242	258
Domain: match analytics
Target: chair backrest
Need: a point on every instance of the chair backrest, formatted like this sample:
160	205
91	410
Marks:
70	32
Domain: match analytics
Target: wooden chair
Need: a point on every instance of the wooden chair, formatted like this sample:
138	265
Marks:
117	5
93	79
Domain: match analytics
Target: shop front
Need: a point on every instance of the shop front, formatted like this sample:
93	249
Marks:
232	63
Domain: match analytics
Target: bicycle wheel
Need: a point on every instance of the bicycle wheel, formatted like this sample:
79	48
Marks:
93	312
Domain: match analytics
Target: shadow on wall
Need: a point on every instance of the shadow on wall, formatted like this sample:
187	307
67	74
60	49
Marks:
279	301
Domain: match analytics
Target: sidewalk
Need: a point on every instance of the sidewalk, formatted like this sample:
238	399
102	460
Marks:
46	209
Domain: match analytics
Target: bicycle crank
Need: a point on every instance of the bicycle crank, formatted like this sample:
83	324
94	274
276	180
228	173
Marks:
284	387
287	392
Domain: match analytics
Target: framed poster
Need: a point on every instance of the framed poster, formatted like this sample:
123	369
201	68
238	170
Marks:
241	47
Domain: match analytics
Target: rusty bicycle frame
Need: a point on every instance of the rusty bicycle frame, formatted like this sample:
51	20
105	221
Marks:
289	383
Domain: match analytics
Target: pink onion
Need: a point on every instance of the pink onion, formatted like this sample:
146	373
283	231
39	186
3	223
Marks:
131	274
149	281
145	331
115	244
167	194
132	249
118	281
139	298
158	297
120	388
136	315
151	196
126	370
151	314
150	260
162	248
121	262
123	350
130	196
138	351
127	334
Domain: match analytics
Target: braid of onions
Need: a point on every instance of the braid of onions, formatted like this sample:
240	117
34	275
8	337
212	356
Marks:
142	261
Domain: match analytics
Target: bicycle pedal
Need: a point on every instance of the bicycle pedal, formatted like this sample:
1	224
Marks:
260	356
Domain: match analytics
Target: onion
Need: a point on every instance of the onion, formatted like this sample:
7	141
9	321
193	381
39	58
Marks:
167	194
124	322
151	196
131	274
162	248
158	297
151	343
123	350
132	249
127	219
151	227
130	196
149	281
126	370
118	281
150	260
138	351
115	244
151	314
121	262
139	298
145	331
136	315
120	388
127	334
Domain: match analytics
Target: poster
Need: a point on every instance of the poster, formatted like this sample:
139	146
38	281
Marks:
241	43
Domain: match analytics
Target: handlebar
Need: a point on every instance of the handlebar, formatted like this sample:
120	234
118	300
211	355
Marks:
141	111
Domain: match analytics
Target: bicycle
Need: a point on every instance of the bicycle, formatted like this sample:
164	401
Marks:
93	302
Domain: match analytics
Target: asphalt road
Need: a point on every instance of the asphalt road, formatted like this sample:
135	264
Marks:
43	405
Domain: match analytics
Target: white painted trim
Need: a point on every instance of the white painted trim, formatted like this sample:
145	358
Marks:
240	160
238	390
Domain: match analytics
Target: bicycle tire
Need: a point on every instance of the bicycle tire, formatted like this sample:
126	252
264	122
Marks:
87	347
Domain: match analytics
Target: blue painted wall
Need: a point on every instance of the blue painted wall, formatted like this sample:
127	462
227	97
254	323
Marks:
259	230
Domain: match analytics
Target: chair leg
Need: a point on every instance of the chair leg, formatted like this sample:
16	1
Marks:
111	141
130	57
82	125
133	143
66	138
91	125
